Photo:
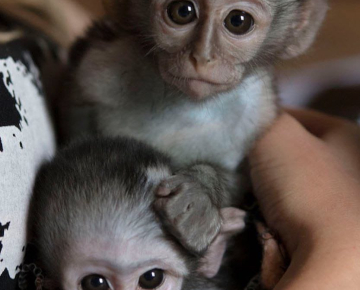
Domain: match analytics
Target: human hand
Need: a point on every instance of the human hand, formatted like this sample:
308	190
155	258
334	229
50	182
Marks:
308	188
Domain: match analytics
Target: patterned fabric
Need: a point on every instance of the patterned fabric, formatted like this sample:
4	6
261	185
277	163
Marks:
26	136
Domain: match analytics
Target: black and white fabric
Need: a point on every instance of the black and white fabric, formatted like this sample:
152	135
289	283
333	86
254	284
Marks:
26	139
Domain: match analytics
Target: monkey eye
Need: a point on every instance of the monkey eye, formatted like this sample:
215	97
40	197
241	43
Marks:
239	22
151	279
181	12
94	282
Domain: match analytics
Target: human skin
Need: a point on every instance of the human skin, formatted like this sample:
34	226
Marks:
306	174
63	20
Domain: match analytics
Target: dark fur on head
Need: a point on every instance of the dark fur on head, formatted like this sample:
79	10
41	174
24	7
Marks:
91	188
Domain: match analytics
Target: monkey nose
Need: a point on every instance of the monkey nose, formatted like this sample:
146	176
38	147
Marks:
201	60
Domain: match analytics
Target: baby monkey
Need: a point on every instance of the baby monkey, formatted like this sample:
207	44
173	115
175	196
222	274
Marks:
195	80
94	227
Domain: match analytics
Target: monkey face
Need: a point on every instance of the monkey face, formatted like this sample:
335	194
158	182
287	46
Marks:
152	279
204	46
136	262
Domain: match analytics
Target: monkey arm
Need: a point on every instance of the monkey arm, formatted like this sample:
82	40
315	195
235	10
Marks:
222	185
190	202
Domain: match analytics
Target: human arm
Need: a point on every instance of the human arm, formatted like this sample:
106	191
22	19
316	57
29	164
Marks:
308	189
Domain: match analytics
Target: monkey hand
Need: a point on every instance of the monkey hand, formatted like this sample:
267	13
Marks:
187	211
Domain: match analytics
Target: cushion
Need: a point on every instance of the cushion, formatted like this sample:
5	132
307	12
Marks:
27	136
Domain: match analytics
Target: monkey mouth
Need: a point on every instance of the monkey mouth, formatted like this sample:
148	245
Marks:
197	88
200	80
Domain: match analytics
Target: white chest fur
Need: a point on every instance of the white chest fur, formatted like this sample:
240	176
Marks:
220	131
138	104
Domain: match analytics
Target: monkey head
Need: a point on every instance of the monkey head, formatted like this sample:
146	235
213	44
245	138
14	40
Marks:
206	47
93	223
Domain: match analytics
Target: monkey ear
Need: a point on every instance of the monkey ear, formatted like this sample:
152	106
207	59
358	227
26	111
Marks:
311	16
233	223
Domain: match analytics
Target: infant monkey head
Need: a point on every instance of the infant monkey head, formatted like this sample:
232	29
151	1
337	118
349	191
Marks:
205	47
93	225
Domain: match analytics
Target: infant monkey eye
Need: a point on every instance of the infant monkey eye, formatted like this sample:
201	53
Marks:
239	22
181	12
94	282
151	279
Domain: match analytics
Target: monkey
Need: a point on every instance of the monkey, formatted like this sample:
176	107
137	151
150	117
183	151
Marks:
195	79
93	224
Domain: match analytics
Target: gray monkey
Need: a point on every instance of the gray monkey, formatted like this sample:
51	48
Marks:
195	80
93	225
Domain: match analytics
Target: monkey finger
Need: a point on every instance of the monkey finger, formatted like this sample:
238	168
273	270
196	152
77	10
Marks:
185	203
173	184
163	191
178	205
233	220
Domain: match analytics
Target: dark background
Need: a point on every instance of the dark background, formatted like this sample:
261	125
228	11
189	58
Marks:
338	38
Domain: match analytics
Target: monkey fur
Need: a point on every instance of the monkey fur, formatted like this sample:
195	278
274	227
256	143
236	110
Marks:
92	216
195	80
